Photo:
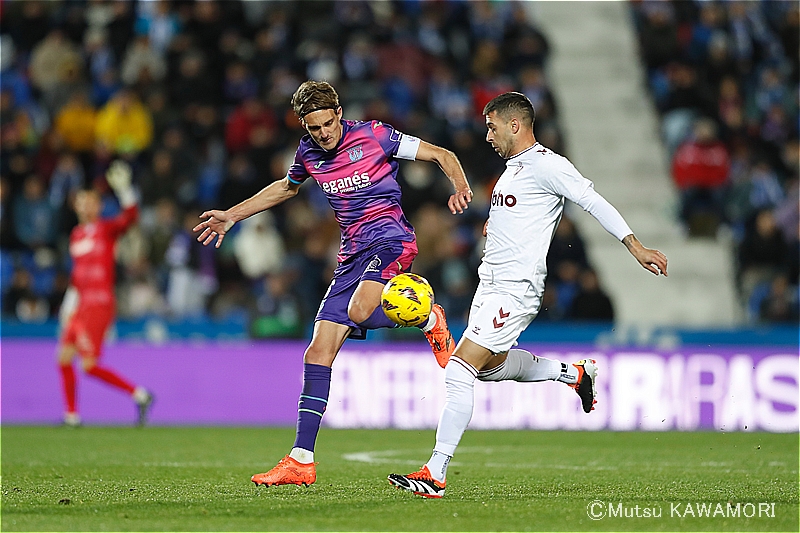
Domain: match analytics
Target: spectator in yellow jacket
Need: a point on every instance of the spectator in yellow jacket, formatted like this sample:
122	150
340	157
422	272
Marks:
124	125
76	123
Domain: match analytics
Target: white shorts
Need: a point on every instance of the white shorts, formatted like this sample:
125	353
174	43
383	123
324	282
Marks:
500	311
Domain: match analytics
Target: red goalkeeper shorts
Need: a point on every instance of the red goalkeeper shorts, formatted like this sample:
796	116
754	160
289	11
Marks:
87	328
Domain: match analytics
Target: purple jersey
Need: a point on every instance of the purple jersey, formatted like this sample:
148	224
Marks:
359	178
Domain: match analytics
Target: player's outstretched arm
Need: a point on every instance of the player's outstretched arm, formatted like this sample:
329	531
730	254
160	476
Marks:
218	223
612	221
652	260
451	166
120	178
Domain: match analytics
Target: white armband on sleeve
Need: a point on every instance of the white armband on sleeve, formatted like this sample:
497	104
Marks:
408	147
605	213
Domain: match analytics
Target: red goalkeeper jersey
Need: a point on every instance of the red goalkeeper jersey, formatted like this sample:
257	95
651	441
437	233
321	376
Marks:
92	249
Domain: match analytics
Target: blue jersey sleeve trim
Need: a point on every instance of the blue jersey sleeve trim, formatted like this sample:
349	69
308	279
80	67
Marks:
293	180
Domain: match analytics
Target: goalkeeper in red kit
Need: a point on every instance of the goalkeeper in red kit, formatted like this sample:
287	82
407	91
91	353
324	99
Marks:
89	304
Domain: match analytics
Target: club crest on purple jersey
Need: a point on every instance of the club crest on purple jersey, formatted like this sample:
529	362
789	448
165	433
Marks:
355	153
374	265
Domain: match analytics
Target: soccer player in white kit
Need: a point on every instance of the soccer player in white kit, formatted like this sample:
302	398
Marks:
526	206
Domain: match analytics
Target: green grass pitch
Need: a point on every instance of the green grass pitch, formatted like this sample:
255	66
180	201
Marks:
198	479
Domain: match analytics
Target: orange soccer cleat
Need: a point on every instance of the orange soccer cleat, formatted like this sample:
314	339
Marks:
420	483
288	472
585	386
440	338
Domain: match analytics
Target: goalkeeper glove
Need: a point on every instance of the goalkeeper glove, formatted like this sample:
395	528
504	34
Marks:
119	176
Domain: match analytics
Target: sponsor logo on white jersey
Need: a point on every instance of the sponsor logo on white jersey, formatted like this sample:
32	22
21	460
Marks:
500	199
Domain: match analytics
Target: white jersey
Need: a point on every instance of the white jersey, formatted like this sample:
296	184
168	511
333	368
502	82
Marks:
526	206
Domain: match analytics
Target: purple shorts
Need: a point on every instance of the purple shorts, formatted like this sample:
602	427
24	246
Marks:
378	263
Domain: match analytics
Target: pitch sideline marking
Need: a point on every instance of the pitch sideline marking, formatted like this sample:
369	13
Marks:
383	457
391	456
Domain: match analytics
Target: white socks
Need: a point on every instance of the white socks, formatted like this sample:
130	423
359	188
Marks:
430	323
459	379
521	365
437	465
301	455
569	374
140	395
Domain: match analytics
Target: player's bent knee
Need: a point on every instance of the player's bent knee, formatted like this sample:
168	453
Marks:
364	301
495	361
65	355
358	312
88	363
358	318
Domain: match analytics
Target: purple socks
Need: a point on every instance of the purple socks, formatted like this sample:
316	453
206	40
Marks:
313	401
378	319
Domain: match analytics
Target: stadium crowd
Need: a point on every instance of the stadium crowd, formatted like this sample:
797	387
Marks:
724	78
195	95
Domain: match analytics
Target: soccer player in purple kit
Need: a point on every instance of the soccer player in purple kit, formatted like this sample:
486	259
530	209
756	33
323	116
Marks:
355	164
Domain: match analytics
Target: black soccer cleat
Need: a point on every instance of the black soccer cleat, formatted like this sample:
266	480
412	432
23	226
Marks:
420	483
585	386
